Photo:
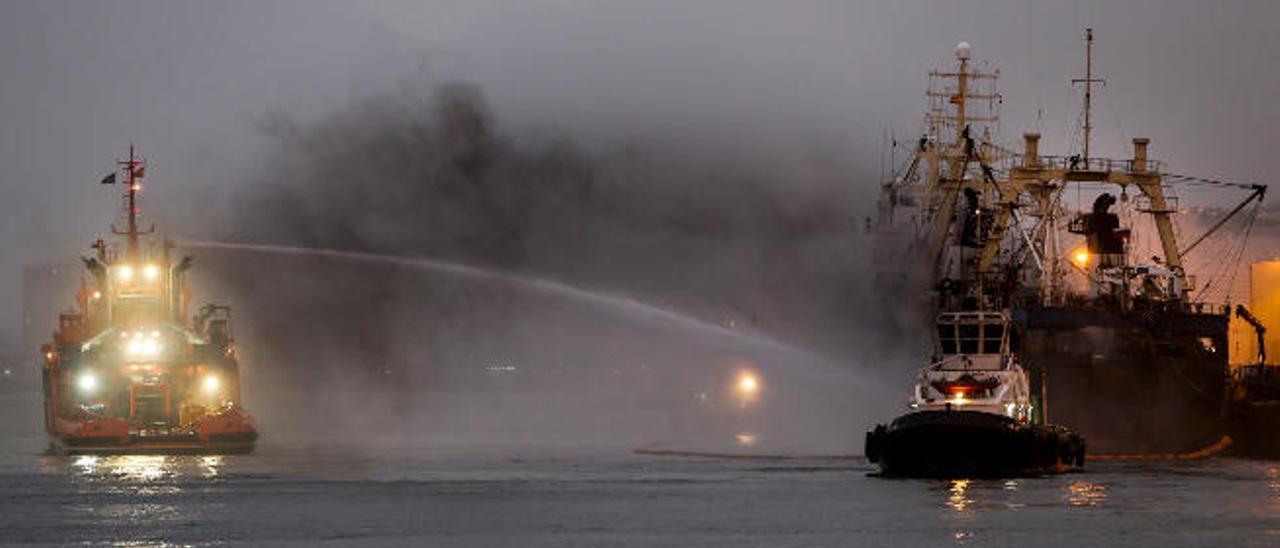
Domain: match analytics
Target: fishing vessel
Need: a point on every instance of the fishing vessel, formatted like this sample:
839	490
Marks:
131	368
1104	316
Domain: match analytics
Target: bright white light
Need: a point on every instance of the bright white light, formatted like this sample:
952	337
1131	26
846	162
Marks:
87	383
151	272
747	387
139	346
748	384
97	295
211	384
124	272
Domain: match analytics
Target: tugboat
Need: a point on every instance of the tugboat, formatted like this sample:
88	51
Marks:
972	412
128	370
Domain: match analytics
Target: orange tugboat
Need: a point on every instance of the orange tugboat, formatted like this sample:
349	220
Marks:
129	370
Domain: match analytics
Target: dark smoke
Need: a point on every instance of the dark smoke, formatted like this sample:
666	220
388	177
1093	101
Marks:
433	174
745	242
398	174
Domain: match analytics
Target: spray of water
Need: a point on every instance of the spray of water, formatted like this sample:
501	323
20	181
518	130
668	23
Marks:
620	304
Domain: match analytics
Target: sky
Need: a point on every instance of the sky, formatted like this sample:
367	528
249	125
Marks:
797	95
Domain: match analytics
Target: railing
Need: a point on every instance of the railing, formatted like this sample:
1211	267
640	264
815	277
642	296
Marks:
1076	163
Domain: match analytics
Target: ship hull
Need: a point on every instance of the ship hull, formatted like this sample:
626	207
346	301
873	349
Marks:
971	444
172	445
229	431
1130	383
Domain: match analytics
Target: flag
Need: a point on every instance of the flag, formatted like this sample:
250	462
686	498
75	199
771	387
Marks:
109	179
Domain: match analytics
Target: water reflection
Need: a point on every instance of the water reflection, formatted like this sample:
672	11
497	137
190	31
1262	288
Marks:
1273	487
210	465
145	469
1086	493
959	499
133	469
141	468
85	464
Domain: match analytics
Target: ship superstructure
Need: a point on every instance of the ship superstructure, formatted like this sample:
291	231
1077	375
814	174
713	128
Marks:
1106	322
131	368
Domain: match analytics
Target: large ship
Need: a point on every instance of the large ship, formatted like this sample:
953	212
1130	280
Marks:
130	369
1106	319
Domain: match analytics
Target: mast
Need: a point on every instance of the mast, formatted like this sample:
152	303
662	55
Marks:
1088	82
133	168
963	106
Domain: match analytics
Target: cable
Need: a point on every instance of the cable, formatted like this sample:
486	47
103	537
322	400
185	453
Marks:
1214	182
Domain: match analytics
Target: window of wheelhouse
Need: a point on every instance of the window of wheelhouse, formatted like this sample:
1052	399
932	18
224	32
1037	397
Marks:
947	337
992	336
970	337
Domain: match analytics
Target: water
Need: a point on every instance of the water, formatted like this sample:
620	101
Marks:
296	493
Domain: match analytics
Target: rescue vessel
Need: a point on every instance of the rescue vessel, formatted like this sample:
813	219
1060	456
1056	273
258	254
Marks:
1113	332
130	368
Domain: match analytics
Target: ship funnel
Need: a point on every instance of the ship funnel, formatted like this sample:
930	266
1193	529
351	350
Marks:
962	51
1140	154
1032	149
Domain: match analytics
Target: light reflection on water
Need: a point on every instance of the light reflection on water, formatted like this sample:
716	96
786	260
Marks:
1272	474
959	499
144	469
971	506
1086	493
961	503
211	464
138	490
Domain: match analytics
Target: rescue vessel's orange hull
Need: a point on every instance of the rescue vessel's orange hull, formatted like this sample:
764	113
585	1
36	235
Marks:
230	431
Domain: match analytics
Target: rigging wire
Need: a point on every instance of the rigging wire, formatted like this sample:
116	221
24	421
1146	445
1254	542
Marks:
1234	251
1240	256
1192	180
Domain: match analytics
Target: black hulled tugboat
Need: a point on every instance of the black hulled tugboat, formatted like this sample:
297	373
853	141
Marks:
972	412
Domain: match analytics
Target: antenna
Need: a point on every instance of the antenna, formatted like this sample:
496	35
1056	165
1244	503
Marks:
1088	82
134	169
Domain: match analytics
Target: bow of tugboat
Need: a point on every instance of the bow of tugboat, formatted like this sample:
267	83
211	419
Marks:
131	368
